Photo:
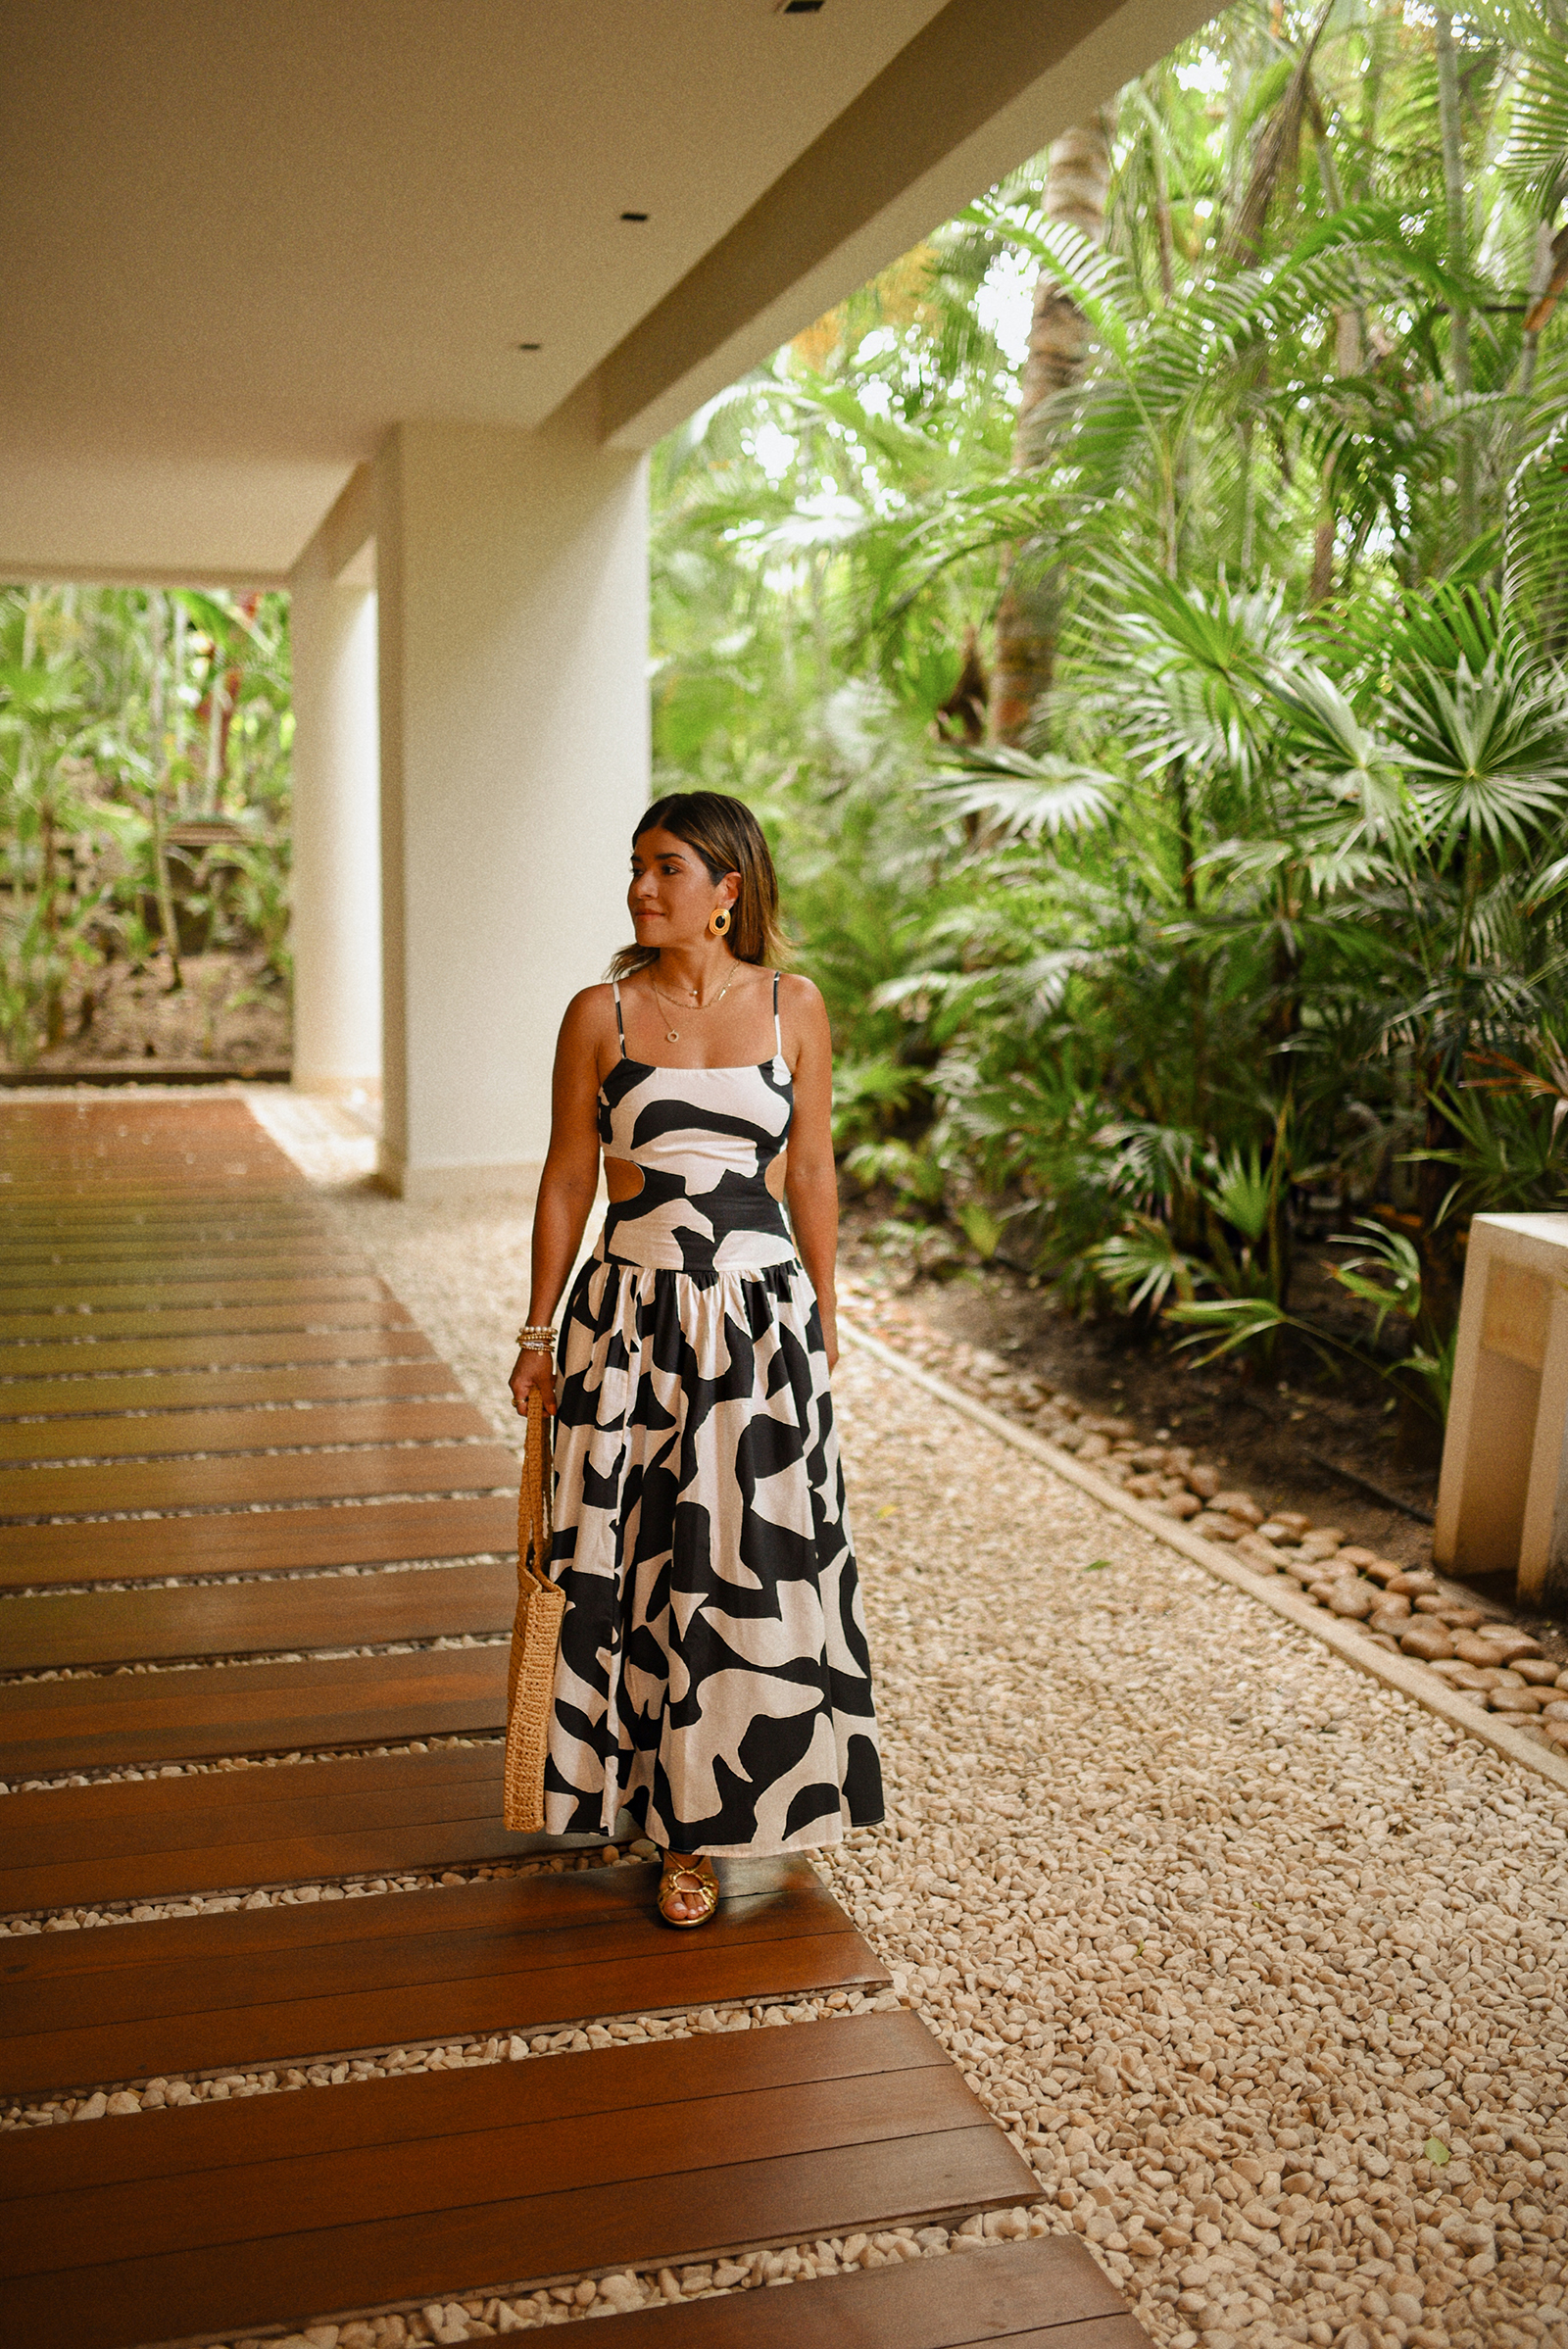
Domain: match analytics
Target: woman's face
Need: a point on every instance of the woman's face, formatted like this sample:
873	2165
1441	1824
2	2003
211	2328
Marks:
672	893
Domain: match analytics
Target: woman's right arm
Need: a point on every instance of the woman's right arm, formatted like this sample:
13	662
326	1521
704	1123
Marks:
566	1184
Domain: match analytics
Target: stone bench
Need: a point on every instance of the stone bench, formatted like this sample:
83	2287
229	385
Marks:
1503	1503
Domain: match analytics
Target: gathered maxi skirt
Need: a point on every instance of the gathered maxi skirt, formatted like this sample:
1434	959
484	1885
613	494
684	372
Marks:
713	1677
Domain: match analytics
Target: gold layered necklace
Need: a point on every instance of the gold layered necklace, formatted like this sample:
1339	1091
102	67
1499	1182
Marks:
672	1035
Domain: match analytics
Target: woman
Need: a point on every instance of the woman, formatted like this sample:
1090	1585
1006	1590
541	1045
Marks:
714	1676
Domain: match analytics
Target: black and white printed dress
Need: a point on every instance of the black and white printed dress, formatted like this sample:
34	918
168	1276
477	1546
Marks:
714	1676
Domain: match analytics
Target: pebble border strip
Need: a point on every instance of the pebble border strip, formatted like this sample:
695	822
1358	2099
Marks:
619	2290
1393	1669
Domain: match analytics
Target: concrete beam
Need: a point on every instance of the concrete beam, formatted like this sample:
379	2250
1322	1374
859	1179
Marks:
984	86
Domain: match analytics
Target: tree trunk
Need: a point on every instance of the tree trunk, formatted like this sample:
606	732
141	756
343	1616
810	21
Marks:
961	717
1164	232
179	761
1452	131
1077	186
1347	361
1547	279
155	745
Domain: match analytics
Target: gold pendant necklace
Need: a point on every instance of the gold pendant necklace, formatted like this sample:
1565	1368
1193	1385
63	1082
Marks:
672	1035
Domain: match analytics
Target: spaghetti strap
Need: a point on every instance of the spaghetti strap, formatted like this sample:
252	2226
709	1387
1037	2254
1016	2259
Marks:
778	1033
620	1025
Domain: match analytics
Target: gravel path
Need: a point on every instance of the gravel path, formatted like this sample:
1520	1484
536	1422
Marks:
1264	1965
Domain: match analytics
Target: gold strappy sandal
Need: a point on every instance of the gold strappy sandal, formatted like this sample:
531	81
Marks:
689	1880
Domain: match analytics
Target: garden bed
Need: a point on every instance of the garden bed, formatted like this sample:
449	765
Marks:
229	1017
1302	1438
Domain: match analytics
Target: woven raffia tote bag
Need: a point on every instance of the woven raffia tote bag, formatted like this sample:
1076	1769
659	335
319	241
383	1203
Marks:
535	1640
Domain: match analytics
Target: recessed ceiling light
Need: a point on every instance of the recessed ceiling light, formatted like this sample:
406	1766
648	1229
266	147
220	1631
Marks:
527	346
634	215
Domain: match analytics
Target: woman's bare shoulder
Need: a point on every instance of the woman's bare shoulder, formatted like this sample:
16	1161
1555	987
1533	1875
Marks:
590	1016
801	996
593	1002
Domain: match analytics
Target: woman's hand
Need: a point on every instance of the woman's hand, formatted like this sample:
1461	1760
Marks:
533	1373
830	1334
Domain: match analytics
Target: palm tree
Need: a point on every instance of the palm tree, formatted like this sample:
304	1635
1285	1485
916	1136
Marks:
1077	188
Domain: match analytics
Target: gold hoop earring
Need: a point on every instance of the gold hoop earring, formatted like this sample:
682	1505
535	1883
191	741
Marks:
718	922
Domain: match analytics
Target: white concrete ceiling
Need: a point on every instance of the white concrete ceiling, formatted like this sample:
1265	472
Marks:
242	241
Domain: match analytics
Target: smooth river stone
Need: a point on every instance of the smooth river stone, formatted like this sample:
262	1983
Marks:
1426	1641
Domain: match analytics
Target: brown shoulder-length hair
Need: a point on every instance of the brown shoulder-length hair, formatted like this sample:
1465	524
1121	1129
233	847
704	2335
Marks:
728	838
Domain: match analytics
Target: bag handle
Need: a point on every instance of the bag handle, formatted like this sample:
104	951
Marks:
534	1494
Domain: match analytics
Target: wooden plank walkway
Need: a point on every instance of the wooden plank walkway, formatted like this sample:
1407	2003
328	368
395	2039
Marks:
29	1400
306	1311
267	1479
236	1619
106	1720
242	1543
374	1815
264	1986
637	2157
145	1435
283	1349
196	1380
231	1284
1046	2293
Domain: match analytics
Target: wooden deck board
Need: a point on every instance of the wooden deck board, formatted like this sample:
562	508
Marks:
207	2139
149	1435
1047	2289
246	1480
215	1120
215	1831
225	1389
234	1286
262	1542
190	1223
181	1320
390	1341
525	2237
651	2153
158	1814
112	1262
74	1188
257	1987
120	1719
294	1942
232	1619
789	2118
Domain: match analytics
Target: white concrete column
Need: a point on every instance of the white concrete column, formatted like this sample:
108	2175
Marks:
335	926
514	757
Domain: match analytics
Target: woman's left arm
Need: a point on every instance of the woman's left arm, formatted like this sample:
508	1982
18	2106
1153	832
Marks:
810	1180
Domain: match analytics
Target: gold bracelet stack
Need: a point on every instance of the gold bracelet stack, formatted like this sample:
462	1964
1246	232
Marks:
535	1341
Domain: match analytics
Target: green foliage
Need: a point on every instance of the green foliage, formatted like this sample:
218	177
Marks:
1265	916
125	714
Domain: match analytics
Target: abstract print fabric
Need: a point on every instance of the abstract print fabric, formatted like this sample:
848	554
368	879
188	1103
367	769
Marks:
714	1679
